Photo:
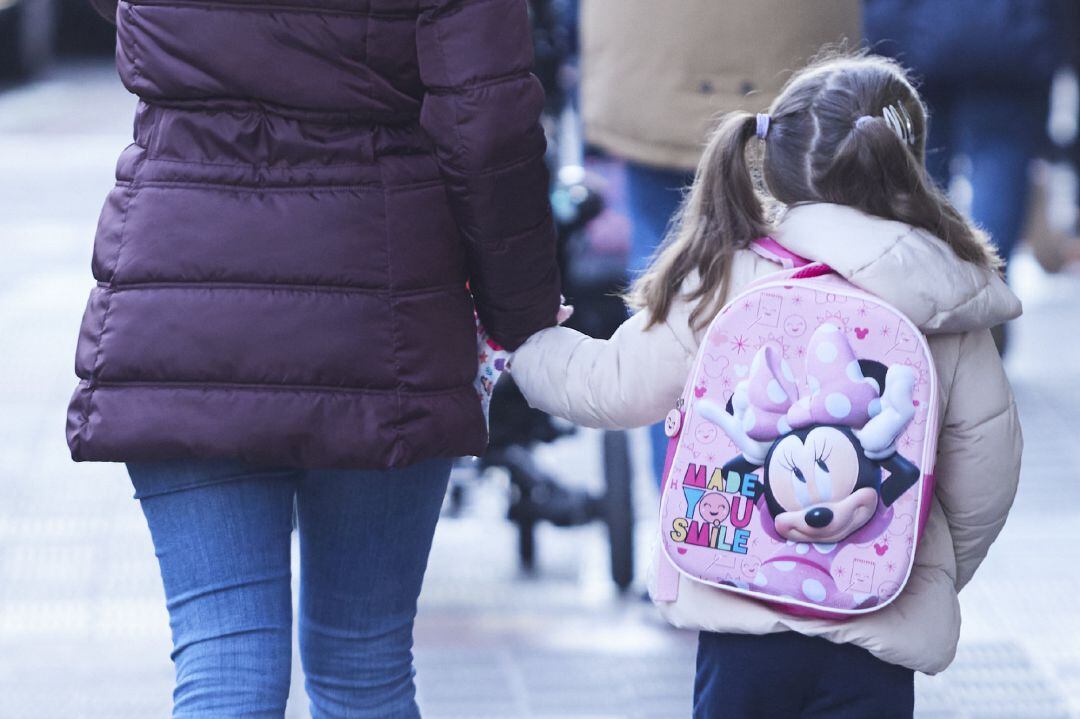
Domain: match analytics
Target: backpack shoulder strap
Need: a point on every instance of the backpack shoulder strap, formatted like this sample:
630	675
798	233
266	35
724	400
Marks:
773	251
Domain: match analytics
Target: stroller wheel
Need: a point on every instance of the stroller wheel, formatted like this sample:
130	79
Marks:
619	507
527	544
522	501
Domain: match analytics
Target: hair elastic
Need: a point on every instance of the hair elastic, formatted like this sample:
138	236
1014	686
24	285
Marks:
763	120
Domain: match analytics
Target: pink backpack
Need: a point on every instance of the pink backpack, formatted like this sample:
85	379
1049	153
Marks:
801	461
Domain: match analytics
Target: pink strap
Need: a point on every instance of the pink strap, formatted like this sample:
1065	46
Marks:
667	577
800	267
773	251
815	270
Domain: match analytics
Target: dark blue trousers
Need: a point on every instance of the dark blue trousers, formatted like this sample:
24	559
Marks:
744	676
1000	133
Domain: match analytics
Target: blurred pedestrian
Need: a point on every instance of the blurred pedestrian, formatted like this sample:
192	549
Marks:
656	75
1052	229
852	192
985	68
282	317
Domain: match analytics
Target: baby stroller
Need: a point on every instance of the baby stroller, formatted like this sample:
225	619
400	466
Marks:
593	271
591	279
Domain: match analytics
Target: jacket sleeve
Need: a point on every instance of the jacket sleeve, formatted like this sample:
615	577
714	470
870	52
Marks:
106	8
978	463
633	379
481	109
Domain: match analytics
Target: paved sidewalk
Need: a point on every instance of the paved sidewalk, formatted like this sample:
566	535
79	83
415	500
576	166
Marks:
83	630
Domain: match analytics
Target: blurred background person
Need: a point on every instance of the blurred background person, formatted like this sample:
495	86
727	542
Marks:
985	68
656	76
1053	229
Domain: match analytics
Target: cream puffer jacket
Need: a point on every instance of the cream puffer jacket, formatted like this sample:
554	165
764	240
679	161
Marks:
634	379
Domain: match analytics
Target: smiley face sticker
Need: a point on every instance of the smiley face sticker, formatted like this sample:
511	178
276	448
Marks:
705	432
672	423
714	508
795	325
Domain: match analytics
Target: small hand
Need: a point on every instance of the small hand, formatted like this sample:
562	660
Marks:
734	425
881	433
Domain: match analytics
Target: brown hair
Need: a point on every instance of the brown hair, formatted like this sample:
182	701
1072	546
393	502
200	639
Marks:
817	150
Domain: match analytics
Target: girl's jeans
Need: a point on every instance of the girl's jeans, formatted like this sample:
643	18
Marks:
796	677
221	532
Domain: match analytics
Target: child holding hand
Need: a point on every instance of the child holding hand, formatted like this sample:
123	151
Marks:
841	159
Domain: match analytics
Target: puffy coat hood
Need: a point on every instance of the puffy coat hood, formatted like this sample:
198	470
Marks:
907	267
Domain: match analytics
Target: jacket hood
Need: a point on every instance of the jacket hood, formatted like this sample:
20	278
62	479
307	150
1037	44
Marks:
907	267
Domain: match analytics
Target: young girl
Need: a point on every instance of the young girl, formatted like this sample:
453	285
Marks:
841	156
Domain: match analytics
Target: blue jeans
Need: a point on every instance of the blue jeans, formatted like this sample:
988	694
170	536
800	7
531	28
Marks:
222	535
652	196
797	677
1000	132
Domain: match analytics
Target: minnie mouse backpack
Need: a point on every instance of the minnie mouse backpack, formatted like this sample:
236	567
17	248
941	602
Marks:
801	457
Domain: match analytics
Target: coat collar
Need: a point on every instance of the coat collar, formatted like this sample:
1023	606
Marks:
905	266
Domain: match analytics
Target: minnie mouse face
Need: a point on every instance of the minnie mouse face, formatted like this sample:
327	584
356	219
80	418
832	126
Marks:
819	486
823	442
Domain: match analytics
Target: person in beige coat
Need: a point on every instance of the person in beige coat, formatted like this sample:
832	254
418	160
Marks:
858	199
656	76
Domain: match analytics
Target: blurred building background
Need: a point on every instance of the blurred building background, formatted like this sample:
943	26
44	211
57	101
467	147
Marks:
83	627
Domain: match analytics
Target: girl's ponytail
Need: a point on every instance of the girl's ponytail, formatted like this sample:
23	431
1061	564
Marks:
730	202
875	171
722	212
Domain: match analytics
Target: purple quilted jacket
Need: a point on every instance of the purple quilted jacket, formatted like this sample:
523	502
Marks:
281	267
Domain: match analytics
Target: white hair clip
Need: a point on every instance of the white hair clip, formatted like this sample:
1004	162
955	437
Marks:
897	118
899	121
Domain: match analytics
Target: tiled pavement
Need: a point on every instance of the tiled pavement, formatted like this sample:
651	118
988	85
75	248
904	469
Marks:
82	629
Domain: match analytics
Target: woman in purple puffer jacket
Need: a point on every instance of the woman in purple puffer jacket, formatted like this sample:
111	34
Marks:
281	313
